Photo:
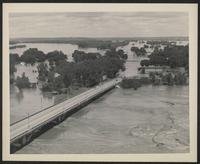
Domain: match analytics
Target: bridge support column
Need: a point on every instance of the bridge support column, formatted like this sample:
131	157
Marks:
24	140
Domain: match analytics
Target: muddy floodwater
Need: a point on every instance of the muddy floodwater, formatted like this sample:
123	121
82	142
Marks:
152	119
28	101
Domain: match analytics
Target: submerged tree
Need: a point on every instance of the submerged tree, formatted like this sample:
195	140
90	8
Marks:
173	56
14	59
22	82
32	55
43	71
139	51
56	56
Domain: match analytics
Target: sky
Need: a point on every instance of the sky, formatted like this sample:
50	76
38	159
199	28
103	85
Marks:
98	24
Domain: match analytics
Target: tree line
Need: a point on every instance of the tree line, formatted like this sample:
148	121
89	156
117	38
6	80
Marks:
139	51
100	44
33	55
87	69
173	56
155	78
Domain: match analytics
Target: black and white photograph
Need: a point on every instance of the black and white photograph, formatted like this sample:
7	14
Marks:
101	82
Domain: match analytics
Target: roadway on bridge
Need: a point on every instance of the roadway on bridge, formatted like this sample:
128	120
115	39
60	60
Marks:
46	115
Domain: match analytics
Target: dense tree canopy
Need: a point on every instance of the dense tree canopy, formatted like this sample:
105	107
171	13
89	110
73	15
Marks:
122	54
55	56
87	70
144	62
146	46
22	82
131	83
90	72
112	53
43	71
173	56
139	51
32	55
66	70
79	56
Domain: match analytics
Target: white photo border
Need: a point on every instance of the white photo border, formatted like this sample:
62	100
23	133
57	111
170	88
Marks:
94	7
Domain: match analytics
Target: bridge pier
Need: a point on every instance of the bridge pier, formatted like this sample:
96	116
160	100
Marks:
24	140
19	143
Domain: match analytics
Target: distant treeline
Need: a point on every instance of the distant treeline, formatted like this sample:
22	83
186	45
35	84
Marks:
160	42
17	46
101	44
82	43
67	40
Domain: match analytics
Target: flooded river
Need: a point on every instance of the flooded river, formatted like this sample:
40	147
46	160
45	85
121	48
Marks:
148	120
29	101
152	119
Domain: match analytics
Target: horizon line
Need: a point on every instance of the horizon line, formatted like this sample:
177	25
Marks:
99	37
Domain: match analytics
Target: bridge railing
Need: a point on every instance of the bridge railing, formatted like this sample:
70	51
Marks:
46	114
47	108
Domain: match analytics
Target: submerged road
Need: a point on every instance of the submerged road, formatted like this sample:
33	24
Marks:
38	119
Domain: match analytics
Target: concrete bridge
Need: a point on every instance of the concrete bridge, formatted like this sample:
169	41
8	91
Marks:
25	130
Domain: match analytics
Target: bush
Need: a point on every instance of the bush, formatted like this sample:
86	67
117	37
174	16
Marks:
47	87
56	56
32	55
43	71
139	51
180	79
168	79
22	82
12	80
80	56
144	62
131	83
145	80
53	83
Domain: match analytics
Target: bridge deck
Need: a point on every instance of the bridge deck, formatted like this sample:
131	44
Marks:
38	119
